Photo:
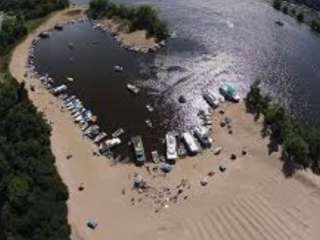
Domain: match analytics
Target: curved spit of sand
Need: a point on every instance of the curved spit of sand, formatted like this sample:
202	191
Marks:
250	200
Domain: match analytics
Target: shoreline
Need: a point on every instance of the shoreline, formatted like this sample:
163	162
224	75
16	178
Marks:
103	197
136	41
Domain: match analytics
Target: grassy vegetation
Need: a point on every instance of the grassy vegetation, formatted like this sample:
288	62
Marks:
300	143
143	17
32	195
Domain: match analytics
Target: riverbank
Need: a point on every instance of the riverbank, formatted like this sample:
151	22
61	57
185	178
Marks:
251	187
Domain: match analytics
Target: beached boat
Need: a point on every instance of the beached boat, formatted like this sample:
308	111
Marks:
100	137
44	34
109	144
191	144
92	131
84	126
211	99
59	89
155	156
171	144
203	135
229	92
138	149
78	113
132	88
118	133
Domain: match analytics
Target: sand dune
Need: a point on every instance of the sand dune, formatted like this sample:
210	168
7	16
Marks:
251	200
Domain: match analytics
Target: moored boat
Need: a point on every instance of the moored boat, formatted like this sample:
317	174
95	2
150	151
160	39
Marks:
229	92
191	144
171	144
138	149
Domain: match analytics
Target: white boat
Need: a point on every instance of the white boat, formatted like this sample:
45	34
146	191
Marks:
109	144
171	144
59	89
211	99
118	133
132	88
203	135
138	149
149	108
190	142
78	113
84	126
70	79
118	68
155	156
100	137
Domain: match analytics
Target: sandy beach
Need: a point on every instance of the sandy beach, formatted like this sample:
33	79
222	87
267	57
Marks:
251	199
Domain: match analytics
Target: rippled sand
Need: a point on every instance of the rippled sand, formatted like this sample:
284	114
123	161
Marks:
251	200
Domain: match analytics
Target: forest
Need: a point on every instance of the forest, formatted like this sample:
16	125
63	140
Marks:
32	195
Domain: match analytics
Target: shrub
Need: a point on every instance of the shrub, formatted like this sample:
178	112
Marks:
300	17
277	4
315	25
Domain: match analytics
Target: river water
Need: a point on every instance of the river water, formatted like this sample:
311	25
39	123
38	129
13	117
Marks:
214	41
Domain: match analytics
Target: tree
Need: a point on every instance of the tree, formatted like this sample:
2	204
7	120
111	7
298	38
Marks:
98	7
277	4
13	28
300	17
296	150
315	25
285	10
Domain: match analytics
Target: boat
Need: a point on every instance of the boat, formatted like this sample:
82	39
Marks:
117	133
229	92
84	126
149	108
70	79
58	27
59	89
155	156
91	129
211	99
171	144
138	149
69	99
191	144
203	135
109	144
78	113
118	68
100	137
44	34
132	88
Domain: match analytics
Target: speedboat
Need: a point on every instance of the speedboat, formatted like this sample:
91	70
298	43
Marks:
171	144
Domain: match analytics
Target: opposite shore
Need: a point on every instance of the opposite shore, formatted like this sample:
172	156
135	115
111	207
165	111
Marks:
108	196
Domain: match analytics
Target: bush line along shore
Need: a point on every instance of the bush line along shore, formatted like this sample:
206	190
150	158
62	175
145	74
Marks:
302	13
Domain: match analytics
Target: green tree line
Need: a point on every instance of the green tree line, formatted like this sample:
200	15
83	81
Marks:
31	9
32	195
12	29
300	143
143	17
